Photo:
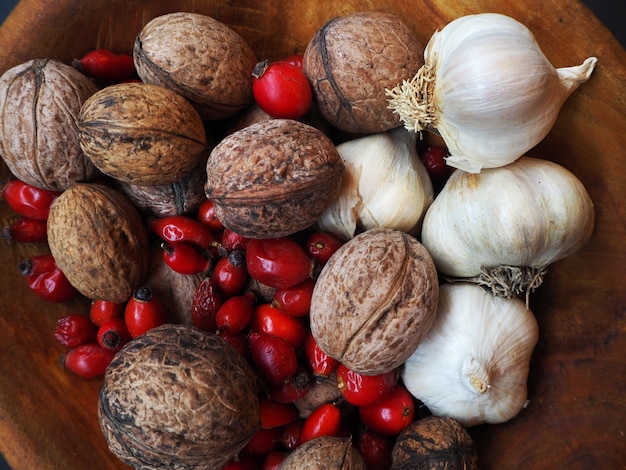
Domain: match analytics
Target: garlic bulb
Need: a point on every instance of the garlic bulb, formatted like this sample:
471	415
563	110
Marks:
504	226
385	185
488	90
473	363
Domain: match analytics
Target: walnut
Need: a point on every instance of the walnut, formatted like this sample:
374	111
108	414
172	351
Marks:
40	101
99	242
434	442
351	60
141	134
325	453
199	58
273	178
182	197
374	301
178	397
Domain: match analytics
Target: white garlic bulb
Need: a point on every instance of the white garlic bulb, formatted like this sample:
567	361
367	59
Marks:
504	226
385	185
473	363
488	90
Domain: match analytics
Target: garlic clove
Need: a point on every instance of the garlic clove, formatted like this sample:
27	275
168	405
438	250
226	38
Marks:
385	185
488	89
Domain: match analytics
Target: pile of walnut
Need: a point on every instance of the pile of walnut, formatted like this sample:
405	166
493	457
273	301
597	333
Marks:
178	396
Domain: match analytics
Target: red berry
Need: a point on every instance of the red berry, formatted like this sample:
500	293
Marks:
230	274
234	315
361	390
275	414
292	389
296	300
269	320
273	460
434	159
281	89
181	228
113	334
277	262
28	200
239	341
318	361
292	433
264	441
391	414
274	357
205	304
46	280
321	246
184	258
375	449
102	311
295	59
143	312
26	230
74	329
206	215
232	241
87	360
104	64
325	420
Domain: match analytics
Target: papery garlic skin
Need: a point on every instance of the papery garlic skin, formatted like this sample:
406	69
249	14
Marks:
529	213
473	363
488	89
385	185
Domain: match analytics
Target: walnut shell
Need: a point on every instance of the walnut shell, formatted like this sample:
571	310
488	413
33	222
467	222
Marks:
374	301
178	397
99	241
40	101
182	197
325	453
351	60
273	178
141	134
199	58
435	443
323	389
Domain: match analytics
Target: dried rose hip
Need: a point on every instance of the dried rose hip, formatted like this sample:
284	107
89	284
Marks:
74	329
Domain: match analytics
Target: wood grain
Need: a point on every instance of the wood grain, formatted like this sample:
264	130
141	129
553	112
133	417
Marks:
577	409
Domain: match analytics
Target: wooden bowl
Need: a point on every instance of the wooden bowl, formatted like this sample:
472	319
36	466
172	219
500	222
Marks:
577	395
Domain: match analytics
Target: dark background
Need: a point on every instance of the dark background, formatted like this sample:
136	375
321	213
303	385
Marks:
611	12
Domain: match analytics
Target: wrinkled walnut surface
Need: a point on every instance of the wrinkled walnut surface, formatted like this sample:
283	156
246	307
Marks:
325	453
351	60
273	178
178	397
199	58
374	301
141	134
434	442
39	104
